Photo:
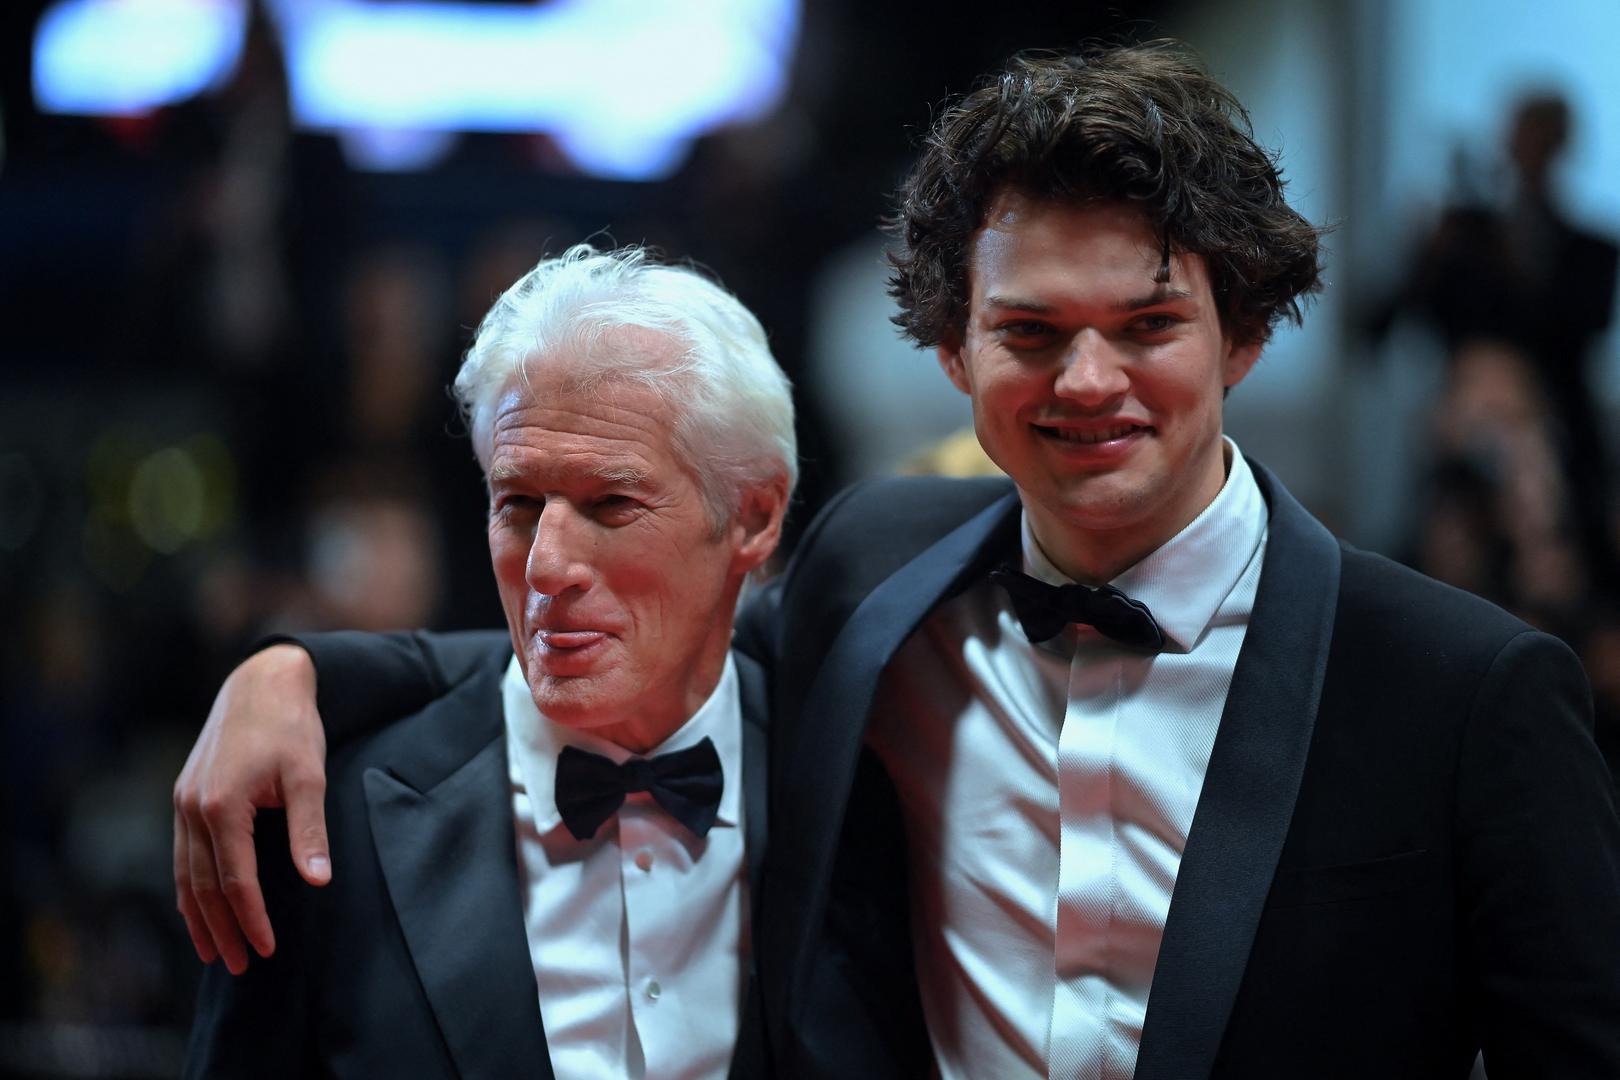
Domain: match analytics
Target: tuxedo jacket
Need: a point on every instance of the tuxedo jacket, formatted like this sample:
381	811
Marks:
414	960
1405	848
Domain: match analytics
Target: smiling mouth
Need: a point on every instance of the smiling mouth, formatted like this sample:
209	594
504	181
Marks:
1091	436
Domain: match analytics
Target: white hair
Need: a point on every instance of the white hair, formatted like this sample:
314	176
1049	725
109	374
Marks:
733	405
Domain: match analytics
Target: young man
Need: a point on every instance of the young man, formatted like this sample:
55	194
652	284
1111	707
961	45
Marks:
1134	769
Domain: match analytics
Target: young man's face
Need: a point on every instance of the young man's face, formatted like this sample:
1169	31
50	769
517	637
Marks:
1097	389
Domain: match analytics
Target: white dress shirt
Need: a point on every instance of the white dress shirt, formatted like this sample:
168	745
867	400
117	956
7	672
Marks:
1048	792
639	934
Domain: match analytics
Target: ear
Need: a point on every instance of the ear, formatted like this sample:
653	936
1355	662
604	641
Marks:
955	368
757	528
1240	359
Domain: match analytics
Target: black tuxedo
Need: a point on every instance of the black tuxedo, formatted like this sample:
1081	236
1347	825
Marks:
414	960
1406	844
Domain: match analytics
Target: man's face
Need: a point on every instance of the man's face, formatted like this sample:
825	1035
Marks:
618	593
1095	388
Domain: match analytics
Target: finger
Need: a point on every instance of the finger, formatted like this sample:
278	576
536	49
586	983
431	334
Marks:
237	862
305	798
211	902
185	900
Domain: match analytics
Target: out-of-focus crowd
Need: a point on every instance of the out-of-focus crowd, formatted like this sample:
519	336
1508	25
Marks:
1518	490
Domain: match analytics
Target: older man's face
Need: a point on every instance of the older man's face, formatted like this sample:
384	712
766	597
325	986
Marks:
617	591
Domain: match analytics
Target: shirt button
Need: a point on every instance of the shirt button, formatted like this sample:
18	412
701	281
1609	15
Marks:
653	990
644	859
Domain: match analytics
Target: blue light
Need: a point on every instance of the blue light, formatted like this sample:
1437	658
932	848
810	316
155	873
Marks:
122	57
623	85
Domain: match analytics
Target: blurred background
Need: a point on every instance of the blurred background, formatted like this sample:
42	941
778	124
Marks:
243	244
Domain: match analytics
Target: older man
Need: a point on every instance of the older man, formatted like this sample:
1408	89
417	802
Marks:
579	784
1131	768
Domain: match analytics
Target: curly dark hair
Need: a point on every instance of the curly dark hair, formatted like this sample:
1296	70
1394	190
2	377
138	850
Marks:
1141	123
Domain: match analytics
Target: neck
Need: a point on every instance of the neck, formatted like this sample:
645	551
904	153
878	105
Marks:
649	731
1094	558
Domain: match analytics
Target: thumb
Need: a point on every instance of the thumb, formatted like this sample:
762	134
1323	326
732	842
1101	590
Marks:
305	801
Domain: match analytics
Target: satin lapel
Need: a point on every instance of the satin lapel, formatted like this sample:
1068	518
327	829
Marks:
1248	796
448	853
750	1059
827	740
754	695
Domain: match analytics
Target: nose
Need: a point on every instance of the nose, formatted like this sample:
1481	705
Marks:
1093	371
559	557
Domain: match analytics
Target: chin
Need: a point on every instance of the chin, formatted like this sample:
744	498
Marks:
1100	503
564	702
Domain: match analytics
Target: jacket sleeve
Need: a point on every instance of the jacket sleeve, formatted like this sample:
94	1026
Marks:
1539	869
364	681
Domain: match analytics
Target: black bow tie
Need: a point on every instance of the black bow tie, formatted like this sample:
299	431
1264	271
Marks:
687	784
1045	609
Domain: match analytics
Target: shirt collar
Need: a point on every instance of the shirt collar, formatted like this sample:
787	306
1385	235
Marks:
533	743
1187	578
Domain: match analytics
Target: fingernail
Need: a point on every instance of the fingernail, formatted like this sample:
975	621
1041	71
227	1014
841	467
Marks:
320	866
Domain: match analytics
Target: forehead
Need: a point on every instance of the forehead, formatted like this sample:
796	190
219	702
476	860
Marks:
1043	244
551	423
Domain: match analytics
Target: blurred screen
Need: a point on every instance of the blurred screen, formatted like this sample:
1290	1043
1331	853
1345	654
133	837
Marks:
622	86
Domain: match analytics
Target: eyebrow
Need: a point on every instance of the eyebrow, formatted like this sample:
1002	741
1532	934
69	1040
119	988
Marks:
627	477
634	478
1161	294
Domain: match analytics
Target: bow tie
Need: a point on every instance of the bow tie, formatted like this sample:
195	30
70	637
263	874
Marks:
687	784
1044	610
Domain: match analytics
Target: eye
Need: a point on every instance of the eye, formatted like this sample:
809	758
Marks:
615	509
1025	333
1157	323
509	505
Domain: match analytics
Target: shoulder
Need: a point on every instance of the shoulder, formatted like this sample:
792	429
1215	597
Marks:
920	506
863	536
1415	622
1386	614
873	528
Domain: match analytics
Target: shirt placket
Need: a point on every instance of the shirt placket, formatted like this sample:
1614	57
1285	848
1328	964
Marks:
1087	866
640	843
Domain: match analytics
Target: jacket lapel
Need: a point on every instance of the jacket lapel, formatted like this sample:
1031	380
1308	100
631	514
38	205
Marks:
754	696
825	746
1248	796
750	1058
445	840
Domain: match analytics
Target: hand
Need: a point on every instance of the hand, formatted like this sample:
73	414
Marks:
263	746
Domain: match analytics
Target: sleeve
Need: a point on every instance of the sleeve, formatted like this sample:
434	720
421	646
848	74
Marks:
1539	869
364	681
257	1023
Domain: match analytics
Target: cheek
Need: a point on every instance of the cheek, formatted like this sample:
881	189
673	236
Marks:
508	559
693	594
996	387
